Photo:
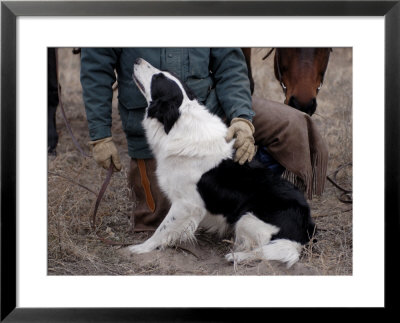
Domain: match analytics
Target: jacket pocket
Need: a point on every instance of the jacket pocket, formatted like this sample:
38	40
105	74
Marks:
132	121
199	59
200	87
129	96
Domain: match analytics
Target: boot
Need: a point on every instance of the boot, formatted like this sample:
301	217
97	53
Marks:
151	205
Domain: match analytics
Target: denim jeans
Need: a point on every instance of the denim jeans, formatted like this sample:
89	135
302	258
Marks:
267	160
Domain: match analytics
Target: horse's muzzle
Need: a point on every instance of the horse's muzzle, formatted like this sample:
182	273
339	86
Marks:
308	107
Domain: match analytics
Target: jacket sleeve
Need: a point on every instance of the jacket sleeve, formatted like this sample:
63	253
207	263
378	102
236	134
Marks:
97	77
232	84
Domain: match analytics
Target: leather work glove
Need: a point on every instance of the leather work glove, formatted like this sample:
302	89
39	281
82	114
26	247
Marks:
105	151
243	131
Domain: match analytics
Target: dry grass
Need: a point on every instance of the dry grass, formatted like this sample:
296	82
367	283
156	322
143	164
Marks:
73	249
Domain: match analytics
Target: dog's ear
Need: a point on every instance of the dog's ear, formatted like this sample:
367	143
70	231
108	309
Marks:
165	111
190	94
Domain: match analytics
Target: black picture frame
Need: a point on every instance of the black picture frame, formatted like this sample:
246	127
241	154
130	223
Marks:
10	10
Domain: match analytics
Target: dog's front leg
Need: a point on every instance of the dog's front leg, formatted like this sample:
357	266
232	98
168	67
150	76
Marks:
179	225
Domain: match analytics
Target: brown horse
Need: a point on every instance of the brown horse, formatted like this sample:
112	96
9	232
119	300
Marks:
301	71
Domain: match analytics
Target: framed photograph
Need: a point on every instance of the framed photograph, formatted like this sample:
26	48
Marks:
47	273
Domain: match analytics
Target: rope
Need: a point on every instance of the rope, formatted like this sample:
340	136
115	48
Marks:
347	194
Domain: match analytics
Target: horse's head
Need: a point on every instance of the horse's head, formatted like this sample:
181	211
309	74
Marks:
301	74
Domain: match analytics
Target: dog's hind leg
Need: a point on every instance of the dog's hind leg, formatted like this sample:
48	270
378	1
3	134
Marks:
282	250
251	232
253	241
179	225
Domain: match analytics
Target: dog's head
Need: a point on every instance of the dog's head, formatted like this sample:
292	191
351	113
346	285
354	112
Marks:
163	91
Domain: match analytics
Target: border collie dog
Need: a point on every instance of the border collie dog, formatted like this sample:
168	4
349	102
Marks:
269	217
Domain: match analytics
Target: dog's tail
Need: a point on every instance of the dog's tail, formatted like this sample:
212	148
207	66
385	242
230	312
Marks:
282	250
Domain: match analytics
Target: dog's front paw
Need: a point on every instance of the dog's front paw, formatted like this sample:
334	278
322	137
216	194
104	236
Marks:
142	248
230	257
237	257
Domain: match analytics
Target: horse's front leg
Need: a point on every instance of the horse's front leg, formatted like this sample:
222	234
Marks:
179	225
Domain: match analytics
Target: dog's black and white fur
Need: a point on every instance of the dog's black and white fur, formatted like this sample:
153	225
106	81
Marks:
269	217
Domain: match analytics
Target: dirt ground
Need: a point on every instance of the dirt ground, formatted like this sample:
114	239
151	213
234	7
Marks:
74	249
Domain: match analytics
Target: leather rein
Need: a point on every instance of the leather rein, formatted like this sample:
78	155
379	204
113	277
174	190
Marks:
276	59
106	181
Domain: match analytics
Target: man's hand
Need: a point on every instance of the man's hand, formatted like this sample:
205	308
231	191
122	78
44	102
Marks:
105	152
243	131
